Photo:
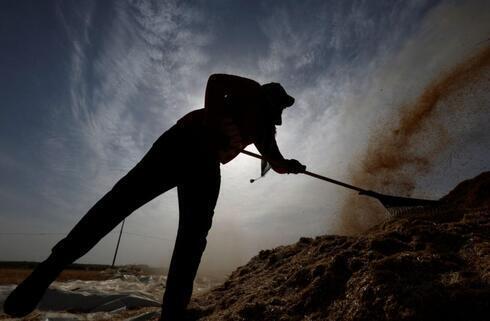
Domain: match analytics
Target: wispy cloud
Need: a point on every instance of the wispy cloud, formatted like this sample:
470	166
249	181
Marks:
125	75
127	86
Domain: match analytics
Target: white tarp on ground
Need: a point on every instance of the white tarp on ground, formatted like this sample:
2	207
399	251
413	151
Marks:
99	300
125	292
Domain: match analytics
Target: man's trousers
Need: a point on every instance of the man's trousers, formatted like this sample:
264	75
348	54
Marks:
179	158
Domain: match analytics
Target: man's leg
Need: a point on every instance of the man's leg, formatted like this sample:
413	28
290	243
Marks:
152	176
197	199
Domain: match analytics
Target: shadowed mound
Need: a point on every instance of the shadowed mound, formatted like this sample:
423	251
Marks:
425	267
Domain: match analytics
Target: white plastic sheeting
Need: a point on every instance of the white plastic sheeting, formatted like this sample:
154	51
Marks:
102	300
95	300
128	291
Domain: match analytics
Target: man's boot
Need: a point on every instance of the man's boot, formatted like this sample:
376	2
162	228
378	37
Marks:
26	296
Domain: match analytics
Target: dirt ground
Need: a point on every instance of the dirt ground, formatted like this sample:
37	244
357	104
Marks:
16	275
15	272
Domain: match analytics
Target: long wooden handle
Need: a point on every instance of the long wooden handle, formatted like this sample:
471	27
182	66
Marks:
324	178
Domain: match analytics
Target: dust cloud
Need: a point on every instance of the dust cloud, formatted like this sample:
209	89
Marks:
405	150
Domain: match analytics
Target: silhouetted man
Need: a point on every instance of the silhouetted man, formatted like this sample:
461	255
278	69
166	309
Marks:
237	112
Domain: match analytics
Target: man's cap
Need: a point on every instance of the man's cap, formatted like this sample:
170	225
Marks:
277	94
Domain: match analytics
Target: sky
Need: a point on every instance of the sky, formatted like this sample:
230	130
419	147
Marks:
86	87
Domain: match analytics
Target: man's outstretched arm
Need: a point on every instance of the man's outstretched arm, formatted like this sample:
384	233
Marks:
267	146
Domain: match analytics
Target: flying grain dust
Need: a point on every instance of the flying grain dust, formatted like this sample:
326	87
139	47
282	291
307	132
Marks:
403	151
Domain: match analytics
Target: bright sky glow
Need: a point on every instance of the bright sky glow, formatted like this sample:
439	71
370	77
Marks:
88	86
